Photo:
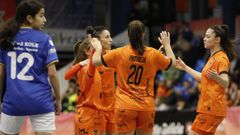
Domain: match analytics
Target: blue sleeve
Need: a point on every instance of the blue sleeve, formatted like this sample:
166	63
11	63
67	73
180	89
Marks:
50	52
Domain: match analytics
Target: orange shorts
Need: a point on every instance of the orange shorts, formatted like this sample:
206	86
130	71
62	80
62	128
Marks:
206	124
89	121
110	121
130	120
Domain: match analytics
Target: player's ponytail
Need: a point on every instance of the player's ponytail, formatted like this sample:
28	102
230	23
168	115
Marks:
89	30
227	44
222	31
136	33
7	33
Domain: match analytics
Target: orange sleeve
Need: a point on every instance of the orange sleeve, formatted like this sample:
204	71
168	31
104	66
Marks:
91	68
84	80
85	76
223	65
110	58
72	71
90	73
162	62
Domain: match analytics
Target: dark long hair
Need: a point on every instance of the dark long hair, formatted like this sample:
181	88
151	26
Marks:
222	31
96	31
11	27
136	30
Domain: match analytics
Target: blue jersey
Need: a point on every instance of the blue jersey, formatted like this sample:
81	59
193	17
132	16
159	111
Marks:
28	91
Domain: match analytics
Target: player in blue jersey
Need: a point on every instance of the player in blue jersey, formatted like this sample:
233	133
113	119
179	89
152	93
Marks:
27	60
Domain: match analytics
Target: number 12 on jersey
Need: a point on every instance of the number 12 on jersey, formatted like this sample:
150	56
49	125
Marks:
18	60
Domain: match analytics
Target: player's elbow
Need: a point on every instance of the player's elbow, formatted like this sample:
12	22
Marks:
52	72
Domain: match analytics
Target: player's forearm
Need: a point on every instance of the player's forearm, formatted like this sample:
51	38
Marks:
55	85
195	74
96	59
53	77
170	53
222	80
91	69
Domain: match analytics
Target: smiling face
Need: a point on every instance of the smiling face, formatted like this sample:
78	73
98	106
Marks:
210	40
106	40
38	21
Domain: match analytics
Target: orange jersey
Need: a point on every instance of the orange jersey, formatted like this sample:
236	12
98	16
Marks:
108	86
108	83
90	86
135	76
212	99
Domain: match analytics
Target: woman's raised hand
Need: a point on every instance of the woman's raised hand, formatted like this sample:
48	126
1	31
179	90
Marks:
179	64
96	44
164	38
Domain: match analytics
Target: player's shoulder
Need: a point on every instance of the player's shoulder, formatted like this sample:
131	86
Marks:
33	35
41	34
125	47
150	49
122	49
43	37
222	56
